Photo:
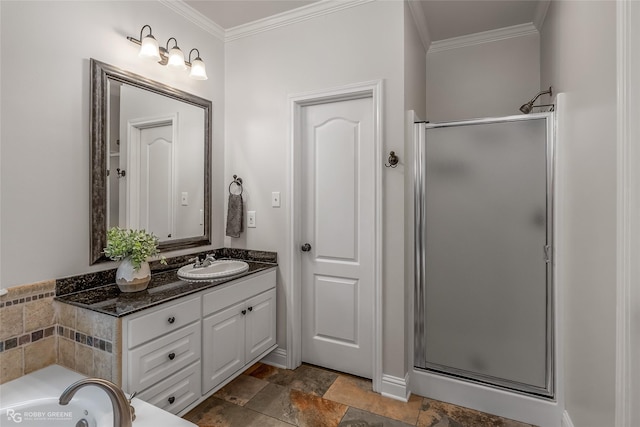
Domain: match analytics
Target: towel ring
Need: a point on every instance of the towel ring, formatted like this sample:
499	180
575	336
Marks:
237	181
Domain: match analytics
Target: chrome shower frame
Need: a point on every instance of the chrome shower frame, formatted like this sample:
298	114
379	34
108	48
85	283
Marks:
419	361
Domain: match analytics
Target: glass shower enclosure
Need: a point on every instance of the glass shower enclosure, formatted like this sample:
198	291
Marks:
484	251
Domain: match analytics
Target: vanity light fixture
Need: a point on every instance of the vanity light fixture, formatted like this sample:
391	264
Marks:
173	57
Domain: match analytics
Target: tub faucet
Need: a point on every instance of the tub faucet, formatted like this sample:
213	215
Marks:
119	402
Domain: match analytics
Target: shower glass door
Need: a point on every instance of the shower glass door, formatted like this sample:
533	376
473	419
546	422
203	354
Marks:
484	271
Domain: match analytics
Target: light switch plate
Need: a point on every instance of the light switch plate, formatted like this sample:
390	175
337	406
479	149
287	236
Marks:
275	199
184	199
251	219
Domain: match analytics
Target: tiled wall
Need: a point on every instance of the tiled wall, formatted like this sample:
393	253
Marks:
88	342
36	331
28	339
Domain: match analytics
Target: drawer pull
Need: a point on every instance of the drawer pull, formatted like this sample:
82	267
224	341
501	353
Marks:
250	308
171	319
171	400
244	312
172	356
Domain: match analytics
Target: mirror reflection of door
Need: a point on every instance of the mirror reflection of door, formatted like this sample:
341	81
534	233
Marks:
156	181
148	197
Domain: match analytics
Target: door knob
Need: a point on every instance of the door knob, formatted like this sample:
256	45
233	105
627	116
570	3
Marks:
306	247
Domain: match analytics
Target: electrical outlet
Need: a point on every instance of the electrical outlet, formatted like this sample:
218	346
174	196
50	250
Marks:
251	219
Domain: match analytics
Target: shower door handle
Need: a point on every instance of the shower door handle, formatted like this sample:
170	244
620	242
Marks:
306	247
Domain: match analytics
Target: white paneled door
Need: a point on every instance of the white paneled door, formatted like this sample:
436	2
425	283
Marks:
338	235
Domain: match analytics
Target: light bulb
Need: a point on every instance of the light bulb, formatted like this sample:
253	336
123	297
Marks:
198	71
149	48
176	59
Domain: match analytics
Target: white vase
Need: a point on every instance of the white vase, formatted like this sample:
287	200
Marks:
129	279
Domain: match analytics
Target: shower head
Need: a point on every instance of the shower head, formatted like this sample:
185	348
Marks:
526	108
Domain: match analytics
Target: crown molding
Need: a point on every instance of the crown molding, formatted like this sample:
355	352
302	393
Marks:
540	13
195	17
419	17
313	10
483	37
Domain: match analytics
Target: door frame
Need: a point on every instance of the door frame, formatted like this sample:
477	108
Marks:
370	89
627	412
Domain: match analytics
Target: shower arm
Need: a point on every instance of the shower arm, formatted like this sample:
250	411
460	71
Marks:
530	103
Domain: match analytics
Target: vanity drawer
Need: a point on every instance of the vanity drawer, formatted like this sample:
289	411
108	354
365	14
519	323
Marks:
176	392
162	321
162	357
223	297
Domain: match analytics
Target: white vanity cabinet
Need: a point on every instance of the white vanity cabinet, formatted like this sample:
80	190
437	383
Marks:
161	354
177	354
239	326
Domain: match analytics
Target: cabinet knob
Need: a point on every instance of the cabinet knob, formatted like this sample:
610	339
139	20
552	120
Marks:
306	247
171	400
171	319
250	309
172	356
243	312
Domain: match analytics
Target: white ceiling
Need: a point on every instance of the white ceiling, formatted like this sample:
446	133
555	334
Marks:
445	18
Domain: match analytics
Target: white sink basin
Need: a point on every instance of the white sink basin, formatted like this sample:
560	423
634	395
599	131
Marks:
216	270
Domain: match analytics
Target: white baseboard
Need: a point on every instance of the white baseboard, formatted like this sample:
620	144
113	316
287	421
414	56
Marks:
277	358
395	387
566	420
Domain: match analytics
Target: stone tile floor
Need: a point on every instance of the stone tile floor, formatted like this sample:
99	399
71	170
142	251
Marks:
265	396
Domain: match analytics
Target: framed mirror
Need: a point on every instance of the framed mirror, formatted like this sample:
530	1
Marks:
150	160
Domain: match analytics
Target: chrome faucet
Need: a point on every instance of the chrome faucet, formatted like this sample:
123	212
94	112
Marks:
202	261
119	402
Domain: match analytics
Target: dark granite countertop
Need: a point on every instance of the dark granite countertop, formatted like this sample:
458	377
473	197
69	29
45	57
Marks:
164	286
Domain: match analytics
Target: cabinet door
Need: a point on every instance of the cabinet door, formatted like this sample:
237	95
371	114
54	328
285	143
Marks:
223	345
261	324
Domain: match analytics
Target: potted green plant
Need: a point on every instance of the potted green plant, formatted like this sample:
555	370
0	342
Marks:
133	249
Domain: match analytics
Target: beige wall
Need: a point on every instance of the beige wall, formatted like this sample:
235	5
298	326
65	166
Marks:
357	44
578	57
45	193
415	89
485	80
